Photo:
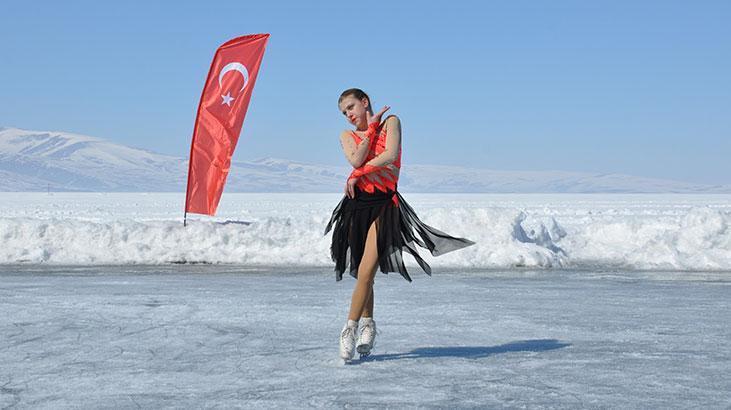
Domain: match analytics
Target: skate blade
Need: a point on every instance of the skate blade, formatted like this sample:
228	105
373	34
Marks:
363	350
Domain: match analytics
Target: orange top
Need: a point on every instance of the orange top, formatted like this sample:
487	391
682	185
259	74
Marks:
372	177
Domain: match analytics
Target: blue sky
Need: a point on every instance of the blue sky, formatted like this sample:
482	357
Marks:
635	87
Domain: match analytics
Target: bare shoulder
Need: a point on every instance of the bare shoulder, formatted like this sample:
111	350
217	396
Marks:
345	137
392	123
392	120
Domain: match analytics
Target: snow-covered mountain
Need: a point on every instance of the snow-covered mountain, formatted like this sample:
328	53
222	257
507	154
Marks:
61	161
33	160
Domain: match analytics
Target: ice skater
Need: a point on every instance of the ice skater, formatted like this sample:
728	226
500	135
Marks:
372	225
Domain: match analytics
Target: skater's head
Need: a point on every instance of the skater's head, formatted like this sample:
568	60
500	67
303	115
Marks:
354	103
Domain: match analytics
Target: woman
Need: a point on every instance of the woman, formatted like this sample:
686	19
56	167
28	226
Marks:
373	224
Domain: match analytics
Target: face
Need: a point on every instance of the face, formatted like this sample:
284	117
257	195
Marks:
354	110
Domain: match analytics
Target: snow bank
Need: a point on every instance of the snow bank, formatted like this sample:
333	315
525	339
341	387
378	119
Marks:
548	231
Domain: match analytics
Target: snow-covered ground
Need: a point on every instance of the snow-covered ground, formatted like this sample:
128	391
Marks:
690	232
183	336
566	301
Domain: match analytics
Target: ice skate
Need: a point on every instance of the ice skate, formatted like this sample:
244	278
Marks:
367	338
347	340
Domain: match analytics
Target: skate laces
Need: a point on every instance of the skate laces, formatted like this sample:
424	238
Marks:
344	333
370	328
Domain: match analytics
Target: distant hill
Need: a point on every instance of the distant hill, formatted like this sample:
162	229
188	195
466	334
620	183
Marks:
37	160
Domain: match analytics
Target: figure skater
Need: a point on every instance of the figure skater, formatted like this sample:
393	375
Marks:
373	224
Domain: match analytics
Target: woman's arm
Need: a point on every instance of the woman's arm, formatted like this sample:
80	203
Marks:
381	163
354	154
393	142
357	154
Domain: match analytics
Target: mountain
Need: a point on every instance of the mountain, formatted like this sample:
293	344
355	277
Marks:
33	160
61	161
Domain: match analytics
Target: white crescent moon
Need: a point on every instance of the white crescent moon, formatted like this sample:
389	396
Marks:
234	67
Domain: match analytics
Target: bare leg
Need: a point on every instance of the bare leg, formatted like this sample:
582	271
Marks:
366	271
368	309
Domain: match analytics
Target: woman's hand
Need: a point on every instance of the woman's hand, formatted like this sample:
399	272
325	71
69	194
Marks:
376	118
350	187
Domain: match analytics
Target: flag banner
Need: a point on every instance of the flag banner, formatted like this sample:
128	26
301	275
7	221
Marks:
224	101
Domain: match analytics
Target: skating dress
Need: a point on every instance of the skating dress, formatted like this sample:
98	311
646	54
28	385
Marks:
398	227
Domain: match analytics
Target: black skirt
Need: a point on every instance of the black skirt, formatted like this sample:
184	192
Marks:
395	226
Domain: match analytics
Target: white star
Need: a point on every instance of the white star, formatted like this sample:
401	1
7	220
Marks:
227	99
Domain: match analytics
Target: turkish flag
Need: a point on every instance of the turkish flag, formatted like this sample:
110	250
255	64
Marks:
221	113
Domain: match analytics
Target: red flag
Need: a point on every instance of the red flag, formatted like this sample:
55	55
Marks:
224	101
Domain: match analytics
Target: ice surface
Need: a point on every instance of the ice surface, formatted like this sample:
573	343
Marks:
228	336
570	231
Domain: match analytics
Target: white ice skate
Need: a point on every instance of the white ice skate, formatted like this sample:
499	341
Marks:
347	340
367	338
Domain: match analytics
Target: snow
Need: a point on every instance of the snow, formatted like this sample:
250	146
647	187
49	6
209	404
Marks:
682	233
191	336
566	301
36	160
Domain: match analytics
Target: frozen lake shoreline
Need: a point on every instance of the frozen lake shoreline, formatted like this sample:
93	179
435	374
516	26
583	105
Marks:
576	231
224	335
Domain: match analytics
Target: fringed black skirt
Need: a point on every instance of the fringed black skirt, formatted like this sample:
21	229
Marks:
395	226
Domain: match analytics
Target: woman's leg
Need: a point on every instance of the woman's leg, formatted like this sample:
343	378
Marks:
368	309
366	271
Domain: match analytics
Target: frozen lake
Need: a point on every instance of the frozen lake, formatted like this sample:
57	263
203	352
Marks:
231	336
566	301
